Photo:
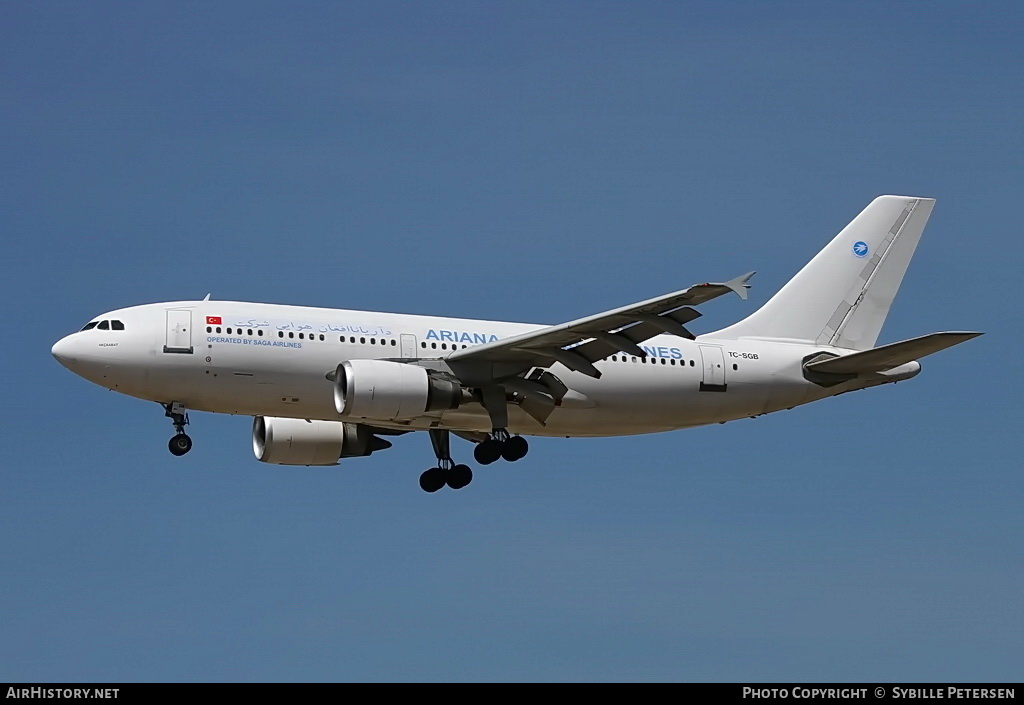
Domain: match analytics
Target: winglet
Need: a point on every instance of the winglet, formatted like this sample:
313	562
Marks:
739	284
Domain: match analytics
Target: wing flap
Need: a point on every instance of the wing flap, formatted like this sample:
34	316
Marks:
893	355
600	347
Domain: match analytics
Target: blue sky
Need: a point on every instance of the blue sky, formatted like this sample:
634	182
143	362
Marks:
521	161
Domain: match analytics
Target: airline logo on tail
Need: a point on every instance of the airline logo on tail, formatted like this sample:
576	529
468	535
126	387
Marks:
860	248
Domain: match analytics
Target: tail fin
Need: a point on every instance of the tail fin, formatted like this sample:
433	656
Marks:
842	296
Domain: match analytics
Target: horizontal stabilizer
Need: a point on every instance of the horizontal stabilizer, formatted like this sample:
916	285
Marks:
890	356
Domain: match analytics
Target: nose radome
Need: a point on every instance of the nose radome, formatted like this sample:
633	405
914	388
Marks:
63	351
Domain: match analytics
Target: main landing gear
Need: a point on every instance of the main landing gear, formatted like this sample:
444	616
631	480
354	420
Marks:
501	445
446	472
180	443
498	445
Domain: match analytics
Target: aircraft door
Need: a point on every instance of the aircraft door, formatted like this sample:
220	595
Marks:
408	345
179	332
714	369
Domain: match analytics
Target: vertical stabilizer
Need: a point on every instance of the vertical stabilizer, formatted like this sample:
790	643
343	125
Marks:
842	296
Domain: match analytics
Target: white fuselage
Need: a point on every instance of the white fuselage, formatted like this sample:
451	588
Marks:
272	360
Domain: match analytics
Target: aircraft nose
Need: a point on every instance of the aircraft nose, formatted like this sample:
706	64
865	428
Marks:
63	350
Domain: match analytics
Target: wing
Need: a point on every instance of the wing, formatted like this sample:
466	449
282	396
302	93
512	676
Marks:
578	344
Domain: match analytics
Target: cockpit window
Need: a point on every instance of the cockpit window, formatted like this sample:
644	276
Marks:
104	325
90	325
116	325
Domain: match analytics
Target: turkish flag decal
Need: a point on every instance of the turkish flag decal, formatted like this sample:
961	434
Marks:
213	320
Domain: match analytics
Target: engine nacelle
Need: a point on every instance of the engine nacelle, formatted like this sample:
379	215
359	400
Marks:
391	391
284	441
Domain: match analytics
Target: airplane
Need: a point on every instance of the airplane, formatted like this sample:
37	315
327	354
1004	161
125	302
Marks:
326	384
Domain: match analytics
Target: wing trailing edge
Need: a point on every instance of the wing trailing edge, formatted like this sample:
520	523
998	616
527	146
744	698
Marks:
580	343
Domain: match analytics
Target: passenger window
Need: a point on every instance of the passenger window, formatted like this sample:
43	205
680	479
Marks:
393	343
250	331
259	332
90	325
321	336
300	336
691	363
280	334
290	334
218	329
362	341
422	345
209	329
104	325
228	331
116	325
663	361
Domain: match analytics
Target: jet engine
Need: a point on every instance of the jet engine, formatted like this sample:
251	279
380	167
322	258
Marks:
284	441
391	391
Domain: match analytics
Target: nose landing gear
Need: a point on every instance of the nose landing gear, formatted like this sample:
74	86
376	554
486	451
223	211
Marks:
180	443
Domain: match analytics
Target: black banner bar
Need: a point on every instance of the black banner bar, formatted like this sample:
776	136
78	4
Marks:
798	692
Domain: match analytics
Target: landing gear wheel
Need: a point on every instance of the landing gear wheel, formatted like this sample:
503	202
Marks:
459	476
179	444
486	452
514	448
432	480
